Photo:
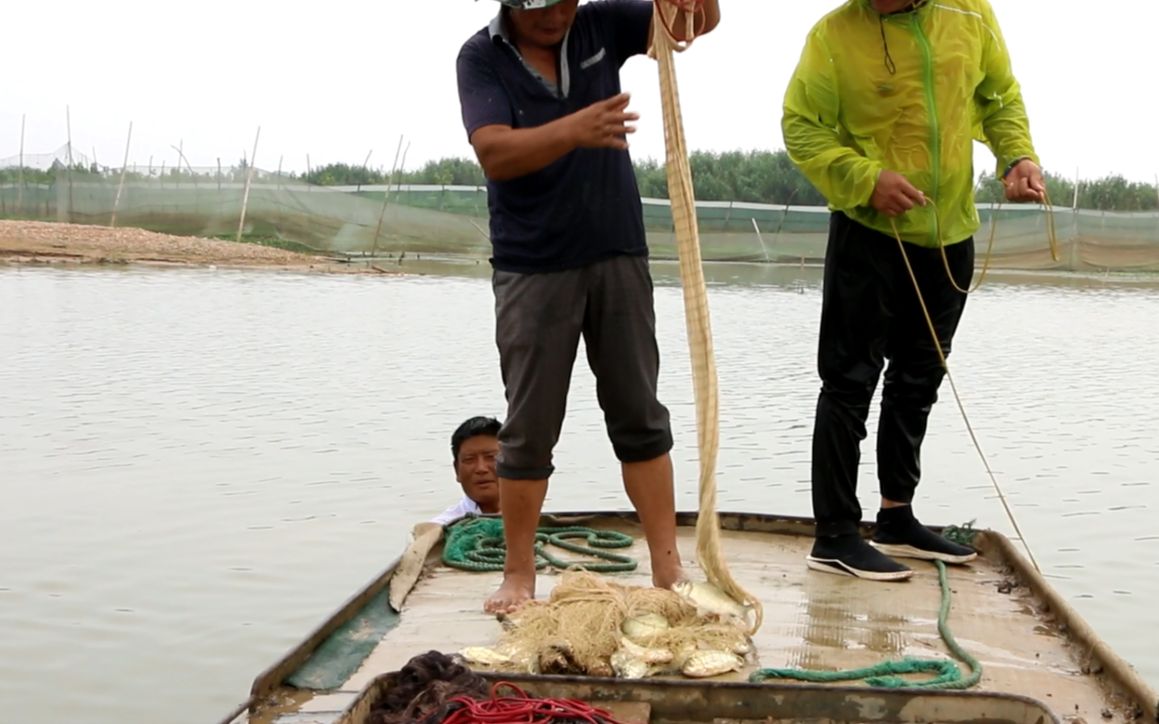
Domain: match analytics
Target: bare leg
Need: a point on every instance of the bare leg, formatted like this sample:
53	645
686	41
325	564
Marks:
649	487
521	502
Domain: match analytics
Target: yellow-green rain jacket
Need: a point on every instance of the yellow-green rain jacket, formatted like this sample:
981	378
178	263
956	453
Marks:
847	118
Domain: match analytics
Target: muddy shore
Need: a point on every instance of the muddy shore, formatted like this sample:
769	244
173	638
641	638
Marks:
40	242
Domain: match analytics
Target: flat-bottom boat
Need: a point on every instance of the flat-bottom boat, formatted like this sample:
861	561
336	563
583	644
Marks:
1040	661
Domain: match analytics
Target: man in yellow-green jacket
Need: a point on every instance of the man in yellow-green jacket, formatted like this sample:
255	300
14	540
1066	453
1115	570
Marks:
880	115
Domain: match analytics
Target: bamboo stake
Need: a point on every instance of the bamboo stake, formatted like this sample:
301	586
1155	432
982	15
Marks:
68	128
365	161
180	149
402	164
248	181
20	171
121	184
760	238
481	231
386	199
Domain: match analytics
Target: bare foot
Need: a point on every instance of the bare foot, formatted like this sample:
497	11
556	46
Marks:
515	591
668	575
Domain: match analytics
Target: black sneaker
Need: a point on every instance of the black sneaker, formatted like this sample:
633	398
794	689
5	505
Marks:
850	555
900	534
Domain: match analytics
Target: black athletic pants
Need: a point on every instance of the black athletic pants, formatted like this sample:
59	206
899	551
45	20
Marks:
870	313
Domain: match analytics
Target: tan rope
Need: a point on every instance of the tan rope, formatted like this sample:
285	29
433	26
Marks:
942	355
1052	241
708	548
1051	237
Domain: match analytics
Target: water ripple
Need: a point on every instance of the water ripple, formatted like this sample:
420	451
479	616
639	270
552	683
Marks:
210	462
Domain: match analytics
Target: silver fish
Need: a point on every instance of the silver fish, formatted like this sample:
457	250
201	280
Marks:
704	664
708	598
627	666
647	655
644	626
485	656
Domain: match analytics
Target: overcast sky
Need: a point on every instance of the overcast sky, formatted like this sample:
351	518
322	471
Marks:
338	79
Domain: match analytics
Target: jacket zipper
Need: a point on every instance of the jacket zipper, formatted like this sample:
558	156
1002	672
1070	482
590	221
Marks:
935	145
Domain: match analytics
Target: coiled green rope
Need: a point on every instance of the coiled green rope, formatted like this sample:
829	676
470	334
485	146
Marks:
888	674
476	544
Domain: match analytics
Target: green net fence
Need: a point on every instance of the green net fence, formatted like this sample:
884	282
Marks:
452	220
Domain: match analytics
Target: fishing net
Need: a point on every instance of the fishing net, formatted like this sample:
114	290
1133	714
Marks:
421	691
434	688
581	627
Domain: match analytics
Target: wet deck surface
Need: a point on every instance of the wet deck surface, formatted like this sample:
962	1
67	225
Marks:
811	620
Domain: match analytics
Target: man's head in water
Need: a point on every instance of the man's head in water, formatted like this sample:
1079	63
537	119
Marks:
474	447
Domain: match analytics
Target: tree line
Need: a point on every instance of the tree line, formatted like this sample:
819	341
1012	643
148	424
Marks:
764	177
14	175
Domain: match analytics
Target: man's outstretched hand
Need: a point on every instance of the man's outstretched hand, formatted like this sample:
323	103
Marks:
603	124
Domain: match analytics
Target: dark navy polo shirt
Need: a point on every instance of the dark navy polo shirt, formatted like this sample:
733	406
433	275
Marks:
586	205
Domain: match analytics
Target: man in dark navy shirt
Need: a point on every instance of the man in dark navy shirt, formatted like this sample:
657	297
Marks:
542	106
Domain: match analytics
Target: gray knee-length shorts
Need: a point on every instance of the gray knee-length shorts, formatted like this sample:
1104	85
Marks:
538	322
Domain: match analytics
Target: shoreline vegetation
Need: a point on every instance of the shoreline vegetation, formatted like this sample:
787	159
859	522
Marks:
764	177
60	244
761	177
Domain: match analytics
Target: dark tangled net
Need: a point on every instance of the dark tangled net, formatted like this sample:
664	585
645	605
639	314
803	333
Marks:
421	690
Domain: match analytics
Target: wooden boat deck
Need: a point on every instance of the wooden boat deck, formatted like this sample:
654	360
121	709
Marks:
1028	642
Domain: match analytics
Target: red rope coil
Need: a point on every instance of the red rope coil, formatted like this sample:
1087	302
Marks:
522	709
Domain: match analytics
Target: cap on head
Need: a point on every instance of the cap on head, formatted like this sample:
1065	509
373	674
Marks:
529	4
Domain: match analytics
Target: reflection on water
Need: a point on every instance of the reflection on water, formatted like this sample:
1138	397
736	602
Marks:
198	466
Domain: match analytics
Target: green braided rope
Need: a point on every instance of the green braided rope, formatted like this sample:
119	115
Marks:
961	534
477	544
887	674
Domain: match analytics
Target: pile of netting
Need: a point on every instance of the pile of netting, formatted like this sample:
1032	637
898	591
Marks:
435	689
592	626
422	690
